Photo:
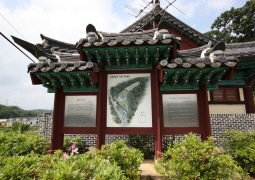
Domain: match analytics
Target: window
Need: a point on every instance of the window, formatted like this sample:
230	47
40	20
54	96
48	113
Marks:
224	94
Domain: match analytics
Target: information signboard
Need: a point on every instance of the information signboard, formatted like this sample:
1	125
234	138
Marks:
180	110
129	100
80	111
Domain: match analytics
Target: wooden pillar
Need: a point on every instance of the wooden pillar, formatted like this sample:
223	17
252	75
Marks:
156	117
248	97
56	137
101	111
204	113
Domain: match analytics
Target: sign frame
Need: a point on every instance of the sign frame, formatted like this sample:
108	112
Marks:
134	130
84	109
178	107
129	100
181	130
79	130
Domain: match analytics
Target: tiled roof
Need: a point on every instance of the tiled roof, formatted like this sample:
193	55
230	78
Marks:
56	56
129	38
145	20
242	51
231	54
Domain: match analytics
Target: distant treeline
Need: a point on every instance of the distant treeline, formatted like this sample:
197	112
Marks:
15	111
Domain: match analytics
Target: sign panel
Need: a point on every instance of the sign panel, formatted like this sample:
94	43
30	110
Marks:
129	100
180	110
80	111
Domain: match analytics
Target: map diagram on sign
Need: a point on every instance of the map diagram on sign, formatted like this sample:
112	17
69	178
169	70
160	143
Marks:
125	97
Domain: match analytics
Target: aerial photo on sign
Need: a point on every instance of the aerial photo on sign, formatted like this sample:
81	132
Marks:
129	100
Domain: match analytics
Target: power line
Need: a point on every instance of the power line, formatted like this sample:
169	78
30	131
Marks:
177	8
12	25
16	46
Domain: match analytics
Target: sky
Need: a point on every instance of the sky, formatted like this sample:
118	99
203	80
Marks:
66	21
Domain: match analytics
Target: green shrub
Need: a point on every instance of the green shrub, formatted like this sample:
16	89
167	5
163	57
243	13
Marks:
5	129
194	159
241	146
20	167
81	145
128	159
84	166
32	166
144	143
12	143
246	158
20	127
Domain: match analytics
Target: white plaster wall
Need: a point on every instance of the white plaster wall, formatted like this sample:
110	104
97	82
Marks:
227	109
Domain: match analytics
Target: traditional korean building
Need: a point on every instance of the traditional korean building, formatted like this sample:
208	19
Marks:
157	77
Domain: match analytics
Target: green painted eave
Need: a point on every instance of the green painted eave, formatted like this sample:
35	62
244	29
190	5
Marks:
246	65
238	78
192	78
77	81
128	57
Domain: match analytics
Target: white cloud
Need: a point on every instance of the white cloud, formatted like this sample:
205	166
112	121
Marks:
219	5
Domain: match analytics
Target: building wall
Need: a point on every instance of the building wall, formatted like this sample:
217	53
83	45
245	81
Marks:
220	123
45	125
32	121
227	109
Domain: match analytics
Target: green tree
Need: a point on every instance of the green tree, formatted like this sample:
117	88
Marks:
235	25
14	111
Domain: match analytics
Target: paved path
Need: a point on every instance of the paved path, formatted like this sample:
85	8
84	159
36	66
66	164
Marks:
148	171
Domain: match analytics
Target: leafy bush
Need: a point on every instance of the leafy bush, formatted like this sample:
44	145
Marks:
5	129
194	159
144	143
81	145
12	143
20	167
128	159
32	166
20	127
241	146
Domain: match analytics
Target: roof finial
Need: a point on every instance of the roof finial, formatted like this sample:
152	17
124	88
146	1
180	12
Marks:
157	2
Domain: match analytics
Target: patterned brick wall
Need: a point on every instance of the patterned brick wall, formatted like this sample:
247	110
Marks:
91	139
220	123
45	123
109	138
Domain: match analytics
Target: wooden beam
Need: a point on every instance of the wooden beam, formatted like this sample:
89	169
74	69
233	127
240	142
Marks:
82	56
34	79
156	115
204	114
101	107
57	138
248	97
229	74
161	75
173	54
94	77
